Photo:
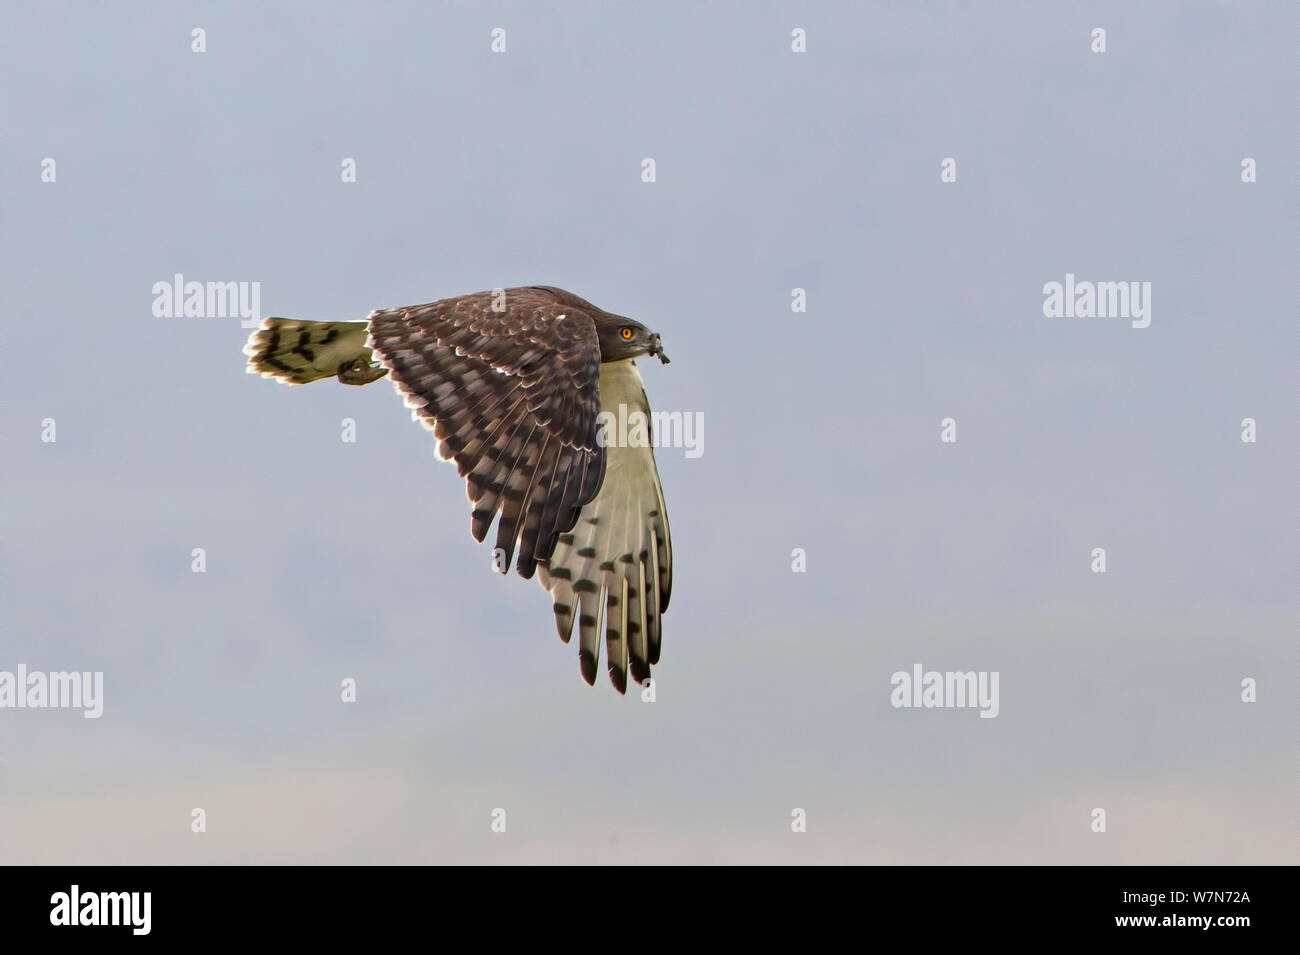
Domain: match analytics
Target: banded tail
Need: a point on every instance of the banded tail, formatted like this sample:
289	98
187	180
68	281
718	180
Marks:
297	352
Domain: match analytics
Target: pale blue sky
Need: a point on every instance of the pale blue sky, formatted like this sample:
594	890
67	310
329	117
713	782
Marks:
775	170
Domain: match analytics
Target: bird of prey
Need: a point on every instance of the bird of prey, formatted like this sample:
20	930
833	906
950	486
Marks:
513	383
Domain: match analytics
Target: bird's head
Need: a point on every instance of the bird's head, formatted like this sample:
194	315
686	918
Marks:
624	338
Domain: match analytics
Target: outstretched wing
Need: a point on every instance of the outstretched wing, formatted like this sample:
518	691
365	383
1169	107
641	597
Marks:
512	396
614	570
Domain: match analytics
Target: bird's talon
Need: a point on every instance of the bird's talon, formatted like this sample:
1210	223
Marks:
360	372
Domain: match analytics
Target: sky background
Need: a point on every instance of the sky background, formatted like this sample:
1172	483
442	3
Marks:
775	170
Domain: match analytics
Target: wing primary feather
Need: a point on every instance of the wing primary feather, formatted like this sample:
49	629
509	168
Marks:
486	482
637	635
616	633
653	604
590	625
515	485
534	503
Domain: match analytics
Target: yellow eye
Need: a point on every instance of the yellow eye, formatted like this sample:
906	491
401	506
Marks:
626	333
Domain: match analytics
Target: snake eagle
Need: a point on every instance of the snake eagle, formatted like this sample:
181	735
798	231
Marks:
513	383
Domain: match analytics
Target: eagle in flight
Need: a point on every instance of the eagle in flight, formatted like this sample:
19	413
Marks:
513	383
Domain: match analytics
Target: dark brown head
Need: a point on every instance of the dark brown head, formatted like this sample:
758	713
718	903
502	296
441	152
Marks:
619	337
623	338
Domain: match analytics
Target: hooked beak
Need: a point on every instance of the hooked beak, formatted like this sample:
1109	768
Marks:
657	350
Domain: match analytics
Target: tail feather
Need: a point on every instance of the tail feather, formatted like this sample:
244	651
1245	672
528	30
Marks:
296	351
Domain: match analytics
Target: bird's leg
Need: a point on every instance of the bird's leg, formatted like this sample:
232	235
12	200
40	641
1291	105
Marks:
359	371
